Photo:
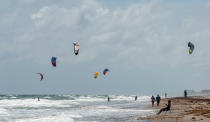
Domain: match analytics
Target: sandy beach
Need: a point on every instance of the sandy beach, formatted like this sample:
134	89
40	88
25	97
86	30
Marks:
191	109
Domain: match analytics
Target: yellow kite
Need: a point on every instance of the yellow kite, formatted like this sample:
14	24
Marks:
96	75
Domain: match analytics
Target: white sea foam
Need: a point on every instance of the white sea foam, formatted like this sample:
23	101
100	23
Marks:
35	103
61	118
79	108
3	112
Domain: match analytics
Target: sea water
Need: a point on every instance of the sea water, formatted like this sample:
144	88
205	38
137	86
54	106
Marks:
68	108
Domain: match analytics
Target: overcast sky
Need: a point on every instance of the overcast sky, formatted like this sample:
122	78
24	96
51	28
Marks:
142	42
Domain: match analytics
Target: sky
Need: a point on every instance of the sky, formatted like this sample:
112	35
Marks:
142	42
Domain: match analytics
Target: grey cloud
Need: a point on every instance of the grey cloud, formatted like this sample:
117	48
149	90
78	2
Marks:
143	38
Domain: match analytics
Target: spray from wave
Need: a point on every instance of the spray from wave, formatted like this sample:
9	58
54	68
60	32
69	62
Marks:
66	108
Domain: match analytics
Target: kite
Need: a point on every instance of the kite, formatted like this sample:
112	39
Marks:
41	75
76	48
105	71
96	75
53	61
191	46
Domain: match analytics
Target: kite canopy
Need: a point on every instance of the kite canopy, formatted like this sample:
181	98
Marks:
76	48
53	61
105	71
41	75
96	75
191	46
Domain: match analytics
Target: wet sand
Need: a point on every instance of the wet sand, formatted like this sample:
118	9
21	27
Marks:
191	109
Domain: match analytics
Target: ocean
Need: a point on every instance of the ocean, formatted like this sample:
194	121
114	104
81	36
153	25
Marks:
72	108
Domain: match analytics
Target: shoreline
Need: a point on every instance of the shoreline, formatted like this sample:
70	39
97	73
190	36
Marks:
193	108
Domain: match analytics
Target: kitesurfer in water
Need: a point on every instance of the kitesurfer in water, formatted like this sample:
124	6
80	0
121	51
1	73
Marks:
108	99
38	99
136	98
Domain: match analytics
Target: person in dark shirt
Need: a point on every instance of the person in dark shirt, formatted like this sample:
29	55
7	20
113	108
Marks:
185	93
153	100
158	100
167	108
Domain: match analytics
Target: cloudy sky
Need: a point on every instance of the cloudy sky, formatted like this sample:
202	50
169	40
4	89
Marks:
142	42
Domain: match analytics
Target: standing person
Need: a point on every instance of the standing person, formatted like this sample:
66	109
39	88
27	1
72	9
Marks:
165	95
158	99
153	100
108	99
38	99
185	93
136	98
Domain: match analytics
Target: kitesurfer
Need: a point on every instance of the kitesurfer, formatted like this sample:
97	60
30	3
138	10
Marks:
108	99
136	98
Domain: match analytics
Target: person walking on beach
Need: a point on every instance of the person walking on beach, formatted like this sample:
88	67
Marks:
158	99
153	100
167	108
185	93
136	98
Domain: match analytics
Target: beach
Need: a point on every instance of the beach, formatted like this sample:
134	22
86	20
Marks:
191	109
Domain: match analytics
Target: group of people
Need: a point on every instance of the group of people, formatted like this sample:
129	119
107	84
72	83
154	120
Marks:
157	99
153	99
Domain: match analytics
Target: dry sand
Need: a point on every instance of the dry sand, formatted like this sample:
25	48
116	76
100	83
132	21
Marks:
191	109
